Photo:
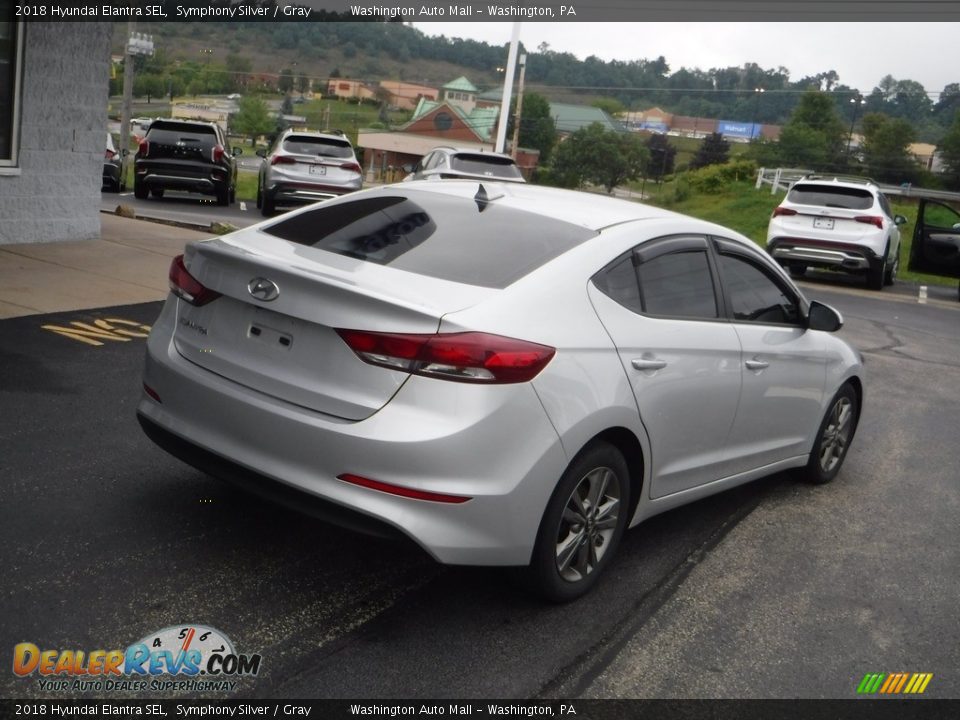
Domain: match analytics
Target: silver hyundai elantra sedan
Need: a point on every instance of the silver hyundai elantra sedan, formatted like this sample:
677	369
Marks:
506	374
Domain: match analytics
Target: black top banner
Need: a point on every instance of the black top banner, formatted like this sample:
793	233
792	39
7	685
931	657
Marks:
490	11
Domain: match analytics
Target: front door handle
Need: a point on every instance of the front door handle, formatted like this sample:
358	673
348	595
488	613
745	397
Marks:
756	364
648	364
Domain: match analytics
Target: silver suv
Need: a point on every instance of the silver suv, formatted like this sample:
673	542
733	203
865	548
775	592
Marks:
303	167
444	163
839	223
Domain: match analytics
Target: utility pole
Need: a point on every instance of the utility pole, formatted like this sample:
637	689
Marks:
516	117
507	89
137	44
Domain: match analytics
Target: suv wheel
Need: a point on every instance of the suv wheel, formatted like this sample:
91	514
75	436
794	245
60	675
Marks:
223	196
158	193
797	270
268	206
891	277
140	191
877	273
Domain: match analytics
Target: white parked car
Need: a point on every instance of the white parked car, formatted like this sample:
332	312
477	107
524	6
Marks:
839	223
507	374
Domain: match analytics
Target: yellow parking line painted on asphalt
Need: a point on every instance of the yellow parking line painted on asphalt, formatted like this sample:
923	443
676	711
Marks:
102	329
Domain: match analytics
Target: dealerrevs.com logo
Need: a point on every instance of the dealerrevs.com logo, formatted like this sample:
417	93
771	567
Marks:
185	658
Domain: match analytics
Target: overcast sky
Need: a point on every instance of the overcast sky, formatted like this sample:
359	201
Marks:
860	53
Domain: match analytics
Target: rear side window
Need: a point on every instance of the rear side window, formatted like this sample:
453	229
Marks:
451	238
831	196
322	147
678	285
181	133
485	165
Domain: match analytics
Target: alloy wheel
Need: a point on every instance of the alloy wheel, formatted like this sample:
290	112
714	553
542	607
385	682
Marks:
588	524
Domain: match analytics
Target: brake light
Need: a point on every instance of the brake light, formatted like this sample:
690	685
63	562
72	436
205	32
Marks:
470	357
144	148
283	160
870	220
217	153
187	287
351	166
777	211
402	491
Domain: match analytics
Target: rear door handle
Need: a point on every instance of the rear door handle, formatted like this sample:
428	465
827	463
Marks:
756	364
648	364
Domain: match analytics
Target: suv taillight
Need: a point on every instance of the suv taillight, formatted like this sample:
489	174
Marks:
283	160
217	154
870	220
144	148
351	166
470	357
777	211
186	287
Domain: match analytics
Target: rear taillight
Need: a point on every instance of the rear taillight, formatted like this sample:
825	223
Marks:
870	220
217	153
352	167
778	211
187	287
144	148
283	160
471	357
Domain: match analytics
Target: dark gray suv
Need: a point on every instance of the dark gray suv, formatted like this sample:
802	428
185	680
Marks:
186	155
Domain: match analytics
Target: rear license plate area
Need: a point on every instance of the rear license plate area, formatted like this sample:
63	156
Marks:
823	223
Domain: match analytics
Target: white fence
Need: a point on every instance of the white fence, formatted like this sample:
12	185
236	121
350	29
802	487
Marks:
783	178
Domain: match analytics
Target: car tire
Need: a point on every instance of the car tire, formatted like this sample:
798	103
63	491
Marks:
797	270
581	526
233	195
268	207
223	196
157	193
890	277
140	191
877	273
259	197
834	437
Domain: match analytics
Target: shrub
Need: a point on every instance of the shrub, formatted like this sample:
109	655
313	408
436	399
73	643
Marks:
715	178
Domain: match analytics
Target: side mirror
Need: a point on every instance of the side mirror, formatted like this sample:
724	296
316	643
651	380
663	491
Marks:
899	220
823	317
261	153
237	150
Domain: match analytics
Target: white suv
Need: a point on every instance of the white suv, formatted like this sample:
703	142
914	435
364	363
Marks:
839	223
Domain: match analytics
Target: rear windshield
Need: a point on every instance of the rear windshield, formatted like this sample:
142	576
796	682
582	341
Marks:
451	238
831	196
485	165
323	147
171	133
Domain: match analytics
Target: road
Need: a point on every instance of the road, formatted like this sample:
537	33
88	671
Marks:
775	589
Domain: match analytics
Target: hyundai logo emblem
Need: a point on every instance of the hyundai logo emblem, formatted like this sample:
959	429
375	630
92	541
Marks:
263	289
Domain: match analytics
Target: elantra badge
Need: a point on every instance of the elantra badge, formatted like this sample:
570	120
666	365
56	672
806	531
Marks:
263	289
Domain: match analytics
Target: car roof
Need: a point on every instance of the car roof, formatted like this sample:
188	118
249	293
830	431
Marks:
330	135
471	151
839	180
594	212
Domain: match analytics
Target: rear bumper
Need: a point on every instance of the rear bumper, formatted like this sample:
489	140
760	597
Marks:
202	179
834	256
492	444
304	193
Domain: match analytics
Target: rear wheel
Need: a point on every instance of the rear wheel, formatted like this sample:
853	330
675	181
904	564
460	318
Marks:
268	206
891	276
797	270
877	273
140	191
834	437
223	196
582	525
158	193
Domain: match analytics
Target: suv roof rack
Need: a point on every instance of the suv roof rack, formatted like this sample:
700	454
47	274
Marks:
841	178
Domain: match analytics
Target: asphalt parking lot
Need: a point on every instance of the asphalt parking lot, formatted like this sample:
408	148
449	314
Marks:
772	590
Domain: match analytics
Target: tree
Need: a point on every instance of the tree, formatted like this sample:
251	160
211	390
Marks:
949	148
714	150
886	150
252	118
537	129
662	155
611	106
814	137
594	154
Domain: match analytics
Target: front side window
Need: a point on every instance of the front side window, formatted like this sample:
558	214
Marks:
10	64
753	294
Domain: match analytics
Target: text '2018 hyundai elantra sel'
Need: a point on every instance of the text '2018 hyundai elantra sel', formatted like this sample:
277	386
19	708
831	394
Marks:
507	374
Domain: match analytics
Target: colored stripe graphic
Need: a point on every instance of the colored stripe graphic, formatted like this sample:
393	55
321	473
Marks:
894	683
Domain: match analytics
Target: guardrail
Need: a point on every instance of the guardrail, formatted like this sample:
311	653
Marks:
783	178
